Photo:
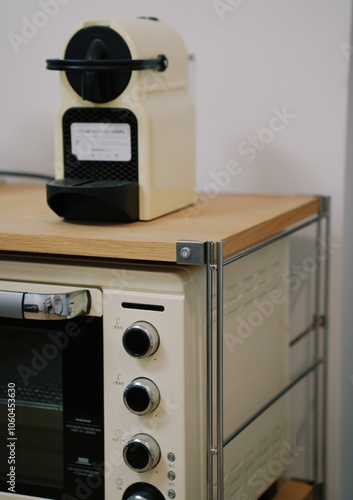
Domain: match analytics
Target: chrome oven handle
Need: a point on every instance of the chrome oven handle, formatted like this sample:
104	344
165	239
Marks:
19	305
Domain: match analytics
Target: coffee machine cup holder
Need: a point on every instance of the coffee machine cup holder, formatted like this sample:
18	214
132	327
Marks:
94	201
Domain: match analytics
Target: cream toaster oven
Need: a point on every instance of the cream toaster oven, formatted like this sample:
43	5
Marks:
103	377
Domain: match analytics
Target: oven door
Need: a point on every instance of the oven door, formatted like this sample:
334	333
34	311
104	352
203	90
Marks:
51	393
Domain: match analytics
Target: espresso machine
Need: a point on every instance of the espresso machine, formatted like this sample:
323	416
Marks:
124	130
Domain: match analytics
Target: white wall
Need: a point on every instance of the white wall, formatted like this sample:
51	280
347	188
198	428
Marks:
253	61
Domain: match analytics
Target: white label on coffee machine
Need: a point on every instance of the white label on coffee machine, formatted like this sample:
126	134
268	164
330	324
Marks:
101	141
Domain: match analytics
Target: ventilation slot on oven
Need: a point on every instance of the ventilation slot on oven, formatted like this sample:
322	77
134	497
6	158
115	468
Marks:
143	307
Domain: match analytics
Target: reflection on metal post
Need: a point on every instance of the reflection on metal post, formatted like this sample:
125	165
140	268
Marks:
220	400
325	208
209	333
317	307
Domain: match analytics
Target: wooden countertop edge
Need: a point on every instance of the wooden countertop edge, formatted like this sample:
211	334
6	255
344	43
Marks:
152	251
270	228
59	245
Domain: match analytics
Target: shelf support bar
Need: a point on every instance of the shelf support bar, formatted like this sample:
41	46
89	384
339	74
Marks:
209	366
274	400
220	395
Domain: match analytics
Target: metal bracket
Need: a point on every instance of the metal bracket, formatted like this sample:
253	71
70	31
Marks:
325	202
190	252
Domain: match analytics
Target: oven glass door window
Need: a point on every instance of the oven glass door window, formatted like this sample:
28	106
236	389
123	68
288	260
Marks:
44	375
31	408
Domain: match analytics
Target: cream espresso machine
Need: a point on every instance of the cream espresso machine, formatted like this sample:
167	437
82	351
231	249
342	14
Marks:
124	131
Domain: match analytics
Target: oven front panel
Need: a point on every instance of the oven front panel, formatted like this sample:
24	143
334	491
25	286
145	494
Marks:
166	300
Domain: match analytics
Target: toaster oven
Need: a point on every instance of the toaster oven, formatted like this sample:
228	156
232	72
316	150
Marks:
103	380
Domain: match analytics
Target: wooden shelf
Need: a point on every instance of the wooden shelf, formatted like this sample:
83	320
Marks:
292	489
239	220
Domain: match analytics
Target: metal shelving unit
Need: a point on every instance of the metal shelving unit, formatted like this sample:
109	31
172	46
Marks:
211	255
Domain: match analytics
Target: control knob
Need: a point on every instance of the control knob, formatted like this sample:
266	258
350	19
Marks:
141	453
142	491
141	339
141	396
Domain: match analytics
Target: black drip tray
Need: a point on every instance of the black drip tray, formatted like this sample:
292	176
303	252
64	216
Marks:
94	201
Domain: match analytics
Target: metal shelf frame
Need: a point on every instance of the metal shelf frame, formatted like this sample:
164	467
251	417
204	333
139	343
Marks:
211	254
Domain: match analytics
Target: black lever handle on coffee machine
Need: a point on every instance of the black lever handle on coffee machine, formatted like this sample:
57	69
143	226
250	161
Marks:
98	72
95	75
160	63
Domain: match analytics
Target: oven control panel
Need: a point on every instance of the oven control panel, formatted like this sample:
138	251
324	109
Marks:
152	377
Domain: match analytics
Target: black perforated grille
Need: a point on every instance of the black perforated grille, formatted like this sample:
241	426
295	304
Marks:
99	170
